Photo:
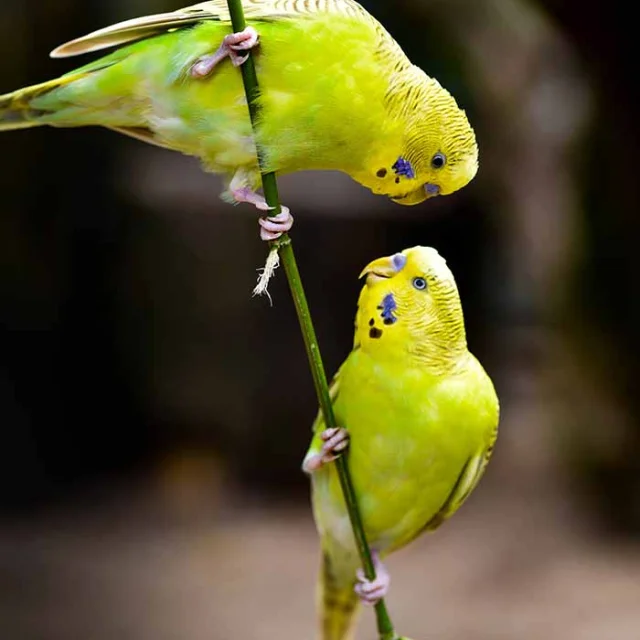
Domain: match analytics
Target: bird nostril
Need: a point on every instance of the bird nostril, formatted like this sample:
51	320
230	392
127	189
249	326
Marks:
399	261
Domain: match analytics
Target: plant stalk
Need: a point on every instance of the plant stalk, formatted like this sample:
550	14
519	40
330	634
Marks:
287	258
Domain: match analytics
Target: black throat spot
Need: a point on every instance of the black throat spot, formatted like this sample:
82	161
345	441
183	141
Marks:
375	333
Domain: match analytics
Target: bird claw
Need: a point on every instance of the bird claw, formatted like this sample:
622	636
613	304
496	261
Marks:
371	592
336	440
236	60
272	227
241	41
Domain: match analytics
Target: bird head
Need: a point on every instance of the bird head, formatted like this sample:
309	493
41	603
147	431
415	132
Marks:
438	152
410	305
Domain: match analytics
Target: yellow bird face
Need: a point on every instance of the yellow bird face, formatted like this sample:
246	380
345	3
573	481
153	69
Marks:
438	154
409	183
410	303
441	176
438	168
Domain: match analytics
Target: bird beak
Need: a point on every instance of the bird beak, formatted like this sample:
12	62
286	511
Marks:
384	268
419	195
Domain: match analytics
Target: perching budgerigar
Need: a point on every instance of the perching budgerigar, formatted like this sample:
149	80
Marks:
419	416
337	93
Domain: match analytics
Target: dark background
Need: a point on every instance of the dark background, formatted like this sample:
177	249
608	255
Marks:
154	415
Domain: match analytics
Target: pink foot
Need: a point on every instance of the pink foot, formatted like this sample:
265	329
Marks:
271	228
231	44
370	592
335	441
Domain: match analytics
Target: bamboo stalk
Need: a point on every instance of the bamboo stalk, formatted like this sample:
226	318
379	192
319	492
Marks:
287	257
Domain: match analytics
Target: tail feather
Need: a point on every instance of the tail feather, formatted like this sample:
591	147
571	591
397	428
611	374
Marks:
338	603
17	110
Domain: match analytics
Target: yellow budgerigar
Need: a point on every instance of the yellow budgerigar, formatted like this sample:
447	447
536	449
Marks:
337	93
419	416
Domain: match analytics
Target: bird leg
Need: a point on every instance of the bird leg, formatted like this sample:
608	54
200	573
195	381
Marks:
335	441
231	45
272	227
371	591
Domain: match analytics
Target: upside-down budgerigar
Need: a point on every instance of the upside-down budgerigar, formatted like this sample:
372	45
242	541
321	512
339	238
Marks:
337	93
419	415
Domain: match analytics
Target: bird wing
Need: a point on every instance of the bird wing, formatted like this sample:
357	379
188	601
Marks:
467	480
217	10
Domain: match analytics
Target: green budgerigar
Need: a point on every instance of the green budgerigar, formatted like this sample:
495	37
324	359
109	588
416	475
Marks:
419	415
337	93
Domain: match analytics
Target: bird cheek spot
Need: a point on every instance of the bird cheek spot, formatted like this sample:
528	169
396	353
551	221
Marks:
388	307
381	173
375	333
403	168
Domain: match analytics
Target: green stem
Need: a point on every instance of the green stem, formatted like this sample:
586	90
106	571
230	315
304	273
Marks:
287	257
250	80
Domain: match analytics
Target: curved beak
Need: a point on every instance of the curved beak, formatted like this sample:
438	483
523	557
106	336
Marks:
384	268
419	195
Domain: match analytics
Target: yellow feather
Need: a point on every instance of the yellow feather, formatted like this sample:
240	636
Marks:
217	10
421	413
337	93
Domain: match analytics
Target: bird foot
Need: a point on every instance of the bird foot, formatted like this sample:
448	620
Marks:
372	591
335	441
230	47
272	227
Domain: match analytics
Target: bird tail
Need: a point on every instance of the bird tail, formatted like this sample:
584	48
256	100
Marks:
19	110
337	603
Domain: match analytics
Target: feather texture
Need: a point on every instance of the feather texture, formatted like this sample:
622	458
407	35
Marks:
421	412
217	10
337	93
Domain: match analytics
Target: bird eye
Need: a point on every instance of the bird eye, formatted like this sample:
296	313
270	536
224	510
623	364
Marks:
420	283
439	160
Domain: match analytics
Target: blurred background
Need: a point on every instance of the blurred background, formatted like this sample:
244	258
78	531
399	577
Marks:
154	415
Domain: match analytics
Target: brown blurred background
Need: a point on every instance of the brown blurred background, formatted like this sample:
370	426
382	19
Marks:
154	414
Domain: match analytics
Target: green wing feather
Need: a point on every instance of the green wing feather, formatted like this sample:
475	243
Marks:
469	477
216	10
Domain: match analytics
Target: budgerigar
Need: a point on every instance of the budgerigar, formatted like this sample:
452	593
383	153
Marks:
337	93
419	415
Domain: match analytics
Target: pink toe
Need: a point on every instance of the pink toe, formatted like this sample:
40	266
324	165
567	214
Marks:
248	36
336	443
277	224
268	225
371	601
237	60
267	236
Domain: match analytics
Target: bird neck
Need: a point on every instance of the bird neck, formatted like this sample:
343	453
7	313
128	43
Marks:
436	344
408	91
439	346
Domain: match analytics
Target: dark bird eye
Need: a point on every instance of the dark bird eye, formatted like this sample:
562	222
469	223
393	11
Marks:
420	283
438	161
